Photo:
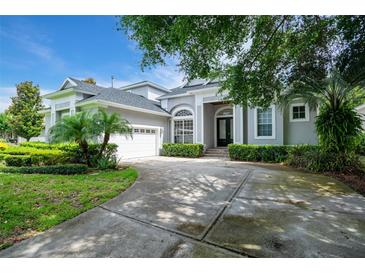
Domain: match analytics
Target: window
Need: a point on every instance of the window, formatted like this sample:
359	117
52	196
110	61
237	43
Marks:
299	112
183	127
183	112
225	112
136	130
264	123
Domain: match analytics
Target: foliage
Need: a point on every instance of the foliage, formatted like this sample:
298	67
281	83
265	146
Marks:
183	150
18	160
338	123
3	146
73	151
77	128
106	162
90	81
5	127
32	203
84	128
37	156
257	153
360	144
107	124
255	57
317	160
24	112
69	169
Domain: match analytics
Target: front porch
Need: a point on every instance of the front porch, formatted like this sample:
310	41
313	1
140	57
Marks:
221	124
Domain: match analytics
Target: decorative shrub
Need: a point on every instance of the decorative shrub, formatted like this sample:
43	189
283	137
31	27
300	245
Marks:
360	146
257	153
69	169
64	152
38	156
314	159
18	160
183	150
3	146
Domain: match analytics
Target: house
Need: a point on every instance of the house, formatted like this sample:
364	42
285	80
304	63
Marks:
361	109
192	113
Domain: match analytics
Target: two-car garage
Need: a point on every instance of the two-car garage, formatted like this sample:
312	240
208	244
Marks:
145	141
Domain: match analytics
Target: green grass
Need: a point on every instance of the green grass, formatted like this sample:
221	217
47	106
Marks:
33	203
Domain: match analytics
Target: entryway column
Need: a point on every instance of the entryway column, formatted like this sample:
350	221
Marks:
199	120
238	124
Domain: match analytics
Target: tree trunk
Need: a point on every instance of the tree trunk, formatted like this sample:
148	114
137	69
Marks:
103	145
85	151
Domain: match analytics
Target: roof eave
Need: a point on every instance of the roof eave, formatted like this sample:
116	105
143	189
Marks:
109	103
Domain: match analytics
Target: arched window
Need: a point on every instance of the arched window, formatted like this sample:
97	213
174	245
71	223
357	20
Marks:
183	127
225	112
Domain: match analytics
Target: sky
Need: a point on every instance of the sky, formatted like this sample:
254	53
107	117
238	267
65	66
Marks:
48	49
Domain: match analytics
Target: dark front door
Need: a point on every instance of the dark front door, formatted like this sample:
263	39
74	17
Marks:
224	131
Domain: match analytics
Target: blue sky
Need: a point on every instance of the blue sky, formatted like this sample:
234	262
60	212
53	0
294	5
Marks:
47	49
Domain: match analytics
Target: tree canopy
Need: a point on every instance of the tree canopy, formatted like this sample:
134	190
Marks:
24	112
256	57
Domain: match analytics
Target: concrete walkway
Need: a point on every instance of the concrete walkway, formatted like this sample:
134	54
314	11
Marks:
213	208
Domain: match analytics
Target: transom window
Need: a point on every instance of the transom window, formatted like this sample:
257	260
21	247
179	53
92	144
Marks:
299	112
183	112
183	127
225	112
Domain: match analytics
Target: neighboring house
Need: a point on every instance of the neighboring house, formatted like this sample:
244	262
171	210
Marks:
192	113
361	110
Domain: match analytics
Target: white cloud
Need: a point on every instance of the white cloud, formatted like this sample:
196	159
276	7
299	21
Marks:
31	44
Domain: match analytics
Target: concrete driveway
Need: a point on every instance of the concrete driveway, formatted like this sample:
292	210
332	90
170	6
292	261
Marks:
213	208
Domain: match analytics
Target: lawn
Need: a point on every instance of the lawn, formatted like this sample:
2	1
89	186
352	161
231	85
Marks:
33	203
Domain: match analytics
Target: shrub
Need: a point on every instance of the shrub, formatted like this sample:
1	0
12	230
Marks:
69	169
3	146
183	150
360	146
313	158
257	153
18	160
107	163
39	156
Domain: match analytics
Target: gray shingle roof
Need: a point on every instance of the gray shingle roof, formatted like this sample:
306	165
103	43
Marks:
126	98
185	89
87	87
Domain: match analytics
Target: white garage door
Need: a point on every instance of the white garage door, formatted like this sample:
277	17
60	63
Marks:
144	143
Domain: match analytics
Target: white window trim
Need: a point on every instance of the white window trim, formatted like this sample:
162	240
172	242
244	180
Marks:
176	118
306	119
273	116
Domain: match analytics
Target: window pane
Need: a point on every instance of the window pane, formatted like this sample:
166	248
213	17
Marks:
183	131
264	122
299	112
184	112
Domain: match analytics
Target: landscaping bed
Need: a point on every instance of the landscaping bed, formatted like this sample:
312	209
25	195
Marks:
183	150
31	203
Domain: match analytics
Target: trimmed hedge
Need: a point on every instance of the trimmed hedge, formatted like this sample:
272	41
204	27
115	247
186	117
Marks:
3	146
72	150
257	153
37	156
69	169
18	160
183	150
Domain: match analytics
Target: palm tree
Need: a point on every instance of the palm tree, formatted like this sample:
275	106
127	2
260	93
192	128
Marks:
77	128
338	124
108	124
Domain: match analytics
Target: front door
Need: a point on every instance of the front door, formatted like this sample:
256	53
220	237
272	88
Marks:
224	131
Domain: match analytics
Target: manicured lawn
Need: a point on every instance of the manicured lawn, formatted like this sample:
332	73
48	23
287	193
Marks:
33	203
